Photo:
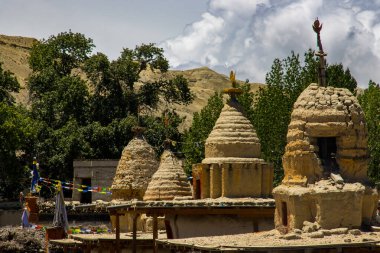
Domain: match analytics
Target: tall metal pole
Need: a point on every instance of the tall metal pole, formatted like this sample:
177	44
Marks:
317	27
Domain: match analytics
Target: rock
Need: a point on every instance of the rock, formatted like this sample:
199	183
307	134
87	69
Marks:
339	231
317	234
354	232
326	232
347	240
340	106
291	236
297	231
337	178
367	240
309	227
347	102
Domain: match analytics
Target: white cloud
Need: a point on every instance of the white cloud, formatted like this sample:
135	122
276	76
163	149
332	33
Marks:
246	35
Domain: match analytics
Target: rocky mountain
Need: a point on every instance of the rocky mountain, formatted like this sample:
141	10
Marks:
203	82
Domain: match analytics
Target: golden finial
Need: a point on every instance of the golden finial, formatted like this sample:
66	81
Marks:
233	78
234	90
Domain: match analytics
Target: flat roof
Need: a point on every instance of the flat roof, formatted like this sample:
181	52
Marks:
250	206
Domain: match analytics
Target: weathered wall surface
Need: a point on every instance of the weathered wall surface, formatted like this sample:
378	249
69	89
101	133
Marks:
209	225
169	181
235	180
135	169
325	112
101	173
348	205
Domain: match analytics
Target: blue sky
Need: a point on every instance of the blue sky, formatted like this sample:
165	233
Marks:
244	35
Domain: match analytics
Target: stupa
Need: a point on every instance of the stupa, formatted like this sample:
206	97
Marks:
232	166
169	181
325	161
135	169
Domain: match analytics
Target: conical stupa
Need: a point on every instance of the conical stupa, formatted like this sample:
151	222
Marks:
325	161
135	169
232	166
233	137
169	181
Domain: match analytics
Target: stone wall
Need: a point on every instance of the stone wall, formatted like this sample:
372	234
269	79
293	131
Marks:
325	112
324	203
101	173
186	226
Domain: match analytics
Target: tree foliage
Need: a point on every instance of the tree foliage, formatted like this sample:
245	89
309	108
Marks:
370	102
8	84
61	53
115	94
16	133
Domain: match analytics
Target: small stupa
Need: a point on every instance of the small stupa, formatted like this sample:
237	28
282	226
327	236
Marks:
325	161
169	182
232	166
135	169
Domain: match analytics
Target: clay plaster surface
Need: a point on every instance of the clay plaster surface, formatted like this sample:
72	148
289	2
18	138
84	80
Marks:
134	171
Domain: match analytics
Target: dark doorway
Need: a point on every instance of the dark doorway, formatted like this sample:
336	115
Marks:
327	154
197	189
284	212
85	196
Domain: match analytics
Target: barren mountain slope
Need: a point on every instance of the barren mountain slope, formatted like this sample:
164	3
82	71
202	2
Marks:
14	53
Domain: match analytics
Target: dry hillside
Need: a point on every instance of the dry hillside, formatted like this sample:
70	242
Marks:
14	53
203	81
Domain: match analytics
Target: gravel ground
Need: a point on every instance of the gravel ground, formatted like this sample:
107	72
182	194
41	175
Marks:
19	240
16	239
274	239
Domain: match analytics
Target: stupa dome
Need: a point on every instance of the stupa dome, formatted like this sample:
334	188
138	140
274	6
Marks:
135	169
169	181
233	137
327	132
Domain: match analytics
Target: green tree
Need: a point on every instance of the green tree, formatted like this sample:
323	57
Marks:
8	84
60	101
57	94
370	102
115	94
340	78
61	53
16	132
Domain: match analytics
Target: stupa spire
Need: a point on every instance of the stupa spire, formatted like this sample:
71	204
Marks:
317	27
234	90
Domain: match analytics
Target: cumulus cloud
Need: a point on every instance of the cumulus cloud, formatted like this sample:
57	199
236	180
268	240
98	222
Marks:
247	35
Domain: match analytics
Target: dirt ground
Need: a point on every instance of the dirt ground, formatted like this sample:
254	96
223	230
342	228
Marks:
274	239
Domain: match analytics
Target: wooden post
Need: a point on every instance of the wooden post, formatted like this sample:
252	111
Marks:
155	233
134	233
117	233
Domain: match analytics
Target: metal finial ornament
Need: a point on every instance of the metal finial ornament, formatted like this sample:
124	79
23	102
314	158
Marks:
317	27
234	91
